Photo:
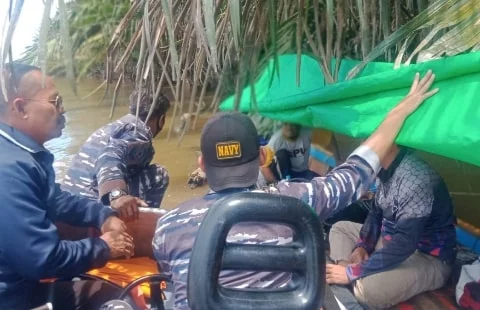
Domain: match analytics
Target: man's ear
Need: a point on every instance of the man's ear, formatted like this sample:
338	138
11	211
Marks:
18	106
161	119
160	123
201	164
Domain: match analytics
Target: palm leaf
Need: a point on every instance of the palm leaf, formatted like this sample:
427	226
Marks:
185	45
66	45
7	42
171	38
440	14
234	9
12	24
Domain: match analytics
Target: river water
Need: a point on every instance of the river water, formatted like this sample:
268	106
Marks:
84	116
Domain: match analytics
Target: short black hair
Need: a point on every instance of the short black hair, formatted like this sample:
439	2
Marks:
13	74
162	104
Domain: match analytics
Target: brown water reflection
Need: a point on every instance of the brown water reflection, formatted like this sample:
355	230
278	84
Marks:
85	116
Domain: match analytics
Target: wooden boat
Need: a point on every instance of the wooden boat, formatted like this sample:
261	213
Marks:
457	175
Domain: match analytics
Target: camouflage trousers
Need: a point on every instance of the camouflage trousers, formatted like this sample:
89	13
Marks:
149	184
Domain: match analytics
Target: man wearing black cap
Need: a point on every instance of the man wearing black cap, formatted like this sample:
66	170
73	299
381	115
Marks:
114	165
231	157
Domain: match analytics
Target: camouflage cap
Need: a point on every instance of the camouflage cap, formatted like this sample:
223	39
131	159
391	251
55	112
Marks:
231	151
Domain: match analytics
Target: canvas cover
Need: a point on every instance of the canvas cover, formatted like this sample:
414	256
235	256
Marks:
447	125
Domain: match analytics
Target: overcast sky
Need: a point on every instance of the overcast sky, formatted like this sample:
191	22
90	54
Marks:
27	26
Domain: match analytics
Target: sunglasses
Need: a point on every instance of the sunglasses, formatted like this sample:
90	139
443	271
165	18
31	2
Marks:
57	102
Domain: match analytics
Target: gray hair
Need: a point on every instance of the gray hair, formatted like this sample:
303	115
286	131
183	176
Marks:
13	74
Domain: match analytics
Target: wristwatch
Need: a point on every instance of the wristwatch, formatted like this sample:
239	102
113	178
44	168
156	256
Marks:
115	194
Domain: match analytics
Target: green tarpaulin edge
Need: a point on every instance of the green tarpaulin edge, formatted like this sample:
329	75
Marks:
446	124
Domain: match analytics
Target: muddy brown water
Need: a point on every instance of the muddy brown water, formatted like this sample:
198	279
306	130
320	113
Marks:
84	116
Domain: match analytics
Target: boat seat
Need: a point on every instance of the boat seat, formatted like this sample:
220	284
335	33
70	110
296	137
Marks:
304	258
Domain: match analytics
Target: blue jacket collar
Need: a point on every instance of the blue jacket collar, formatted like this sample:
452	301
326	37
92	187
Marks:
20	139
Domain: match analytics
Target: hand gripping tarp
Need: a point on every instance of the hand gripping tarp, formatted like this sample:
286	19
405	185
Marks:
447	124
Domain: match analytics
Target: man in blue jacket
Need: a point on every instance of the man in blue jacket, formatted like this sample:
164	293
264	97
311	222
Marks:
31	113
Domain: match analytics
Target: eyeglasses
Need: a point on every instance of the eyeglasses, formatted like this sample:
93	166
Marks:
57	102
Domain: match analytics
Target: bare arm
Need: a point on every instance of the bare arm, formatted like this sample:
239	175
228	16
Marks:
383	139
266	157
348	182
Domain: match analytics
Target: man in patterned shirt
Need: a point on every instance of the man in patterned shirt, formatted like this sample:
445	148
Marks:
407	244
114	163
231	156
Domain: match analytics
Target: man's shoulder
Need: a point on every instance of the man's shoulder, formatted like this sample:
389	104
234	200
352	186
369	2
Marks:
21	166
181	223
301	190
190	211
99	139
190	205
276	138
109	130
13	157
415	168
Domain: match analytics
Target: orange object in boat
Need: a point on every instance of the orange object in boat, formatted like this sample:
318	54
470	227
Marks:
124	271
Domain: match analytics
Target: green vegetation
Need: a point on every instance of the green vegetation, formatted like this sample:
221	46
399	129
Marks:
91	25
187	45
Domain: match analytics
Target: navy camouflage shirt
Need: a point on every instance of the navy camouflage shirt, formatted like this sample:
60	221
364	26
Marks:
176	231
110	154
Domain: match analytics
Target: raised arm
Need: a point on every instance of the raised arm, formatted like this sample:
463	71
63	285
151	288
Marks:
382	140
340	187
349	181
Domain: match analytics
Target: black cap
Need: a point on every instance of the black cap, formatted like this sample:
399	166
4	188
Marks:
230	149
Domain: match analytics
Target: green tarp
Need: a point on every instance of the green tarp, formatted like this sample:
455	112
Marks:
447	124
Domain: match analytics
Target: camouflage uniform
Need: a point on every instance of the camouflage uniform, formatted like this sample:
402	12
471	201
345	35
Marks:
176	231
116	152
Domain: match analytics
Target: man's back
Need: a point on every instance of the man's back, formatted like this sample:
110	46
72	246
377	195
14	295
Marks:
412	191
16	160
175	237
82	176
